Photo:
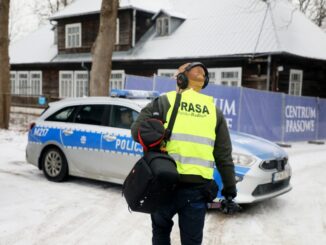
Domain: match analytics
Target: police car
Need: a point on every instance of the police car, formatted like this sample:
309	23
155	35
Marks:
90	137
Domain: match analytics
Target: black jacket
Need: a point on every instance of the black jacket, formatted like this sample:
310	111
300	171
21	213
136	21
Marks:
222	148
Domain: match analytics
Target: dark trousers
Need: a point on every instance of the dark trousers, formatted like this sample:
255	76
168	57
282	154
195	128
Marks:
190	206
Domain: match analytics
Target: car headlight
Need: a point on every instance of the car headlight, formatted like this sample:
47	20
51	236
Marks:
243	159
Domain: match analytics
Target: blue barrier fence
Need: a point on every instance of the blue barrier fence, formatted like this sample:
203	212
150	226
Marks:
275	116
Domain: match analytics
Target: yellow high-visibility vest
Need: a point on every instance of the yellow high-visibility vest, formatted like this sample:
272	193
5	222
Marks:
193	136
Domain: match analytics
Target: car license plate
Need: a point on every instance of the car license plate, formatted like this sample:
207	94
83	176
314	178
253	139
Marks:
280	176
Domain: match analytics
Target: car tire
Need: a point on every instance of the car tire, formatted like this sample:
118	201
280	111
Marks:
54	165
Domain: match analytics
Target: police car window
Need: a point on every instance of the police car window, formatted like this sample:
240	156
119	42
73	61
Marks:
122	117
63	115
90	114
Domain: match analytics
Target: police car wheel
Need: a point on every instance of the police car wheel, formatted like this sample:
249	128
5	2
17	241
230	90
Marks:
54	165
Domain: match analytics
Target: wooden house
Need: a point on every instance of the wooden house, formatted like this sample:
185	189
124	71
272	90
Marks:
266	45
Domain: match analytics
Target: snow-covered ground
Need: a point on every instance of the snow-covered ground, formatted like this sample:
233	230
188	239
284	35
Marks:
79	211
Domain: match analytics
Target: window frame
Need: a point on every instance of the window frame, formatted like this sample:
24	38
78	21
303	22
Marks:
214	71
67	26
117	33
218	75
41	82
14	89
230	80
167	71
295	83
160	26
27	83
76	73
60	84
55	35
123	76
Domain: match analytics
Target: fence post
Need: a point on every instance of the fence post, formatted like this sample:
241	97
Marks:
240	105
124	82
283	118
317	118
154	82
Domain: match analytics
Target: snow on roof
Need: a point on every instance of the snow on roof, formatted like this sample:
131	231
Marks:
236	27
84	7
77	57
79	7
37	47
170	13
214	29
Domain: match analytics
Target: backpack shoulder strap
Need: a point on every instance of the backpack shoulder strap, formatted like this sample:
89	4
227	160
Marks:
156	110
173	116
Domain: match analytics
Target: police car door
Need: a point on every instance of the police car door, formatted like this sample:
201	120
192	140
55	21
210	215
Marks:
82	140
121	150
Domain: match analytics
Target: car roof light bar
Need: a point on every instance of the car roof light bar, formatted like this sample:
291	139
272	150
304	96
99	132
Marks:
134	94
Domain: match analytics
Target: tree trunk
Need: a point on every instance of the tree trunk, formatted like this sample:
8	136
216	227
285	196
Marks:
103	48
5	97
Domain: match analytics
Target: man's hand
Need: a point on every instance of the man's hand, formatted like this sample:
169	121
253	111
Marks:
228	206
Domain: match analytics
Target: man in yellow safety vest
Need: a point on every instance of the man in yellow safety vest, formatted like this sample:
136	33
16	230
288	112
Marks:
199	139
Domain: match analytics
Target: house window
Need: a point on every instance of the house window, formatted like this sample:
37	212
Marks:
166	72
295	84
117	79
66	84
163	26
26	83
75	83
55	30
23	83
213	74
231	76
13	82
117	34
81	83
73	35
36	82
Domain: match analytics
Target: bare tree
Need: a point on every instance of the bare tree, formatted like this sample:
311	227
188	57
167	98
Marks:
304	5
21	19
102	49
319	12
313	9
34	13
4	65
44	9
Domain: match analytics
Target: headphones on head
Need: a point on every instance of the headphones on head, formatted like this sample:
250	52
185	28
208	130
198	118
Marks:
182	79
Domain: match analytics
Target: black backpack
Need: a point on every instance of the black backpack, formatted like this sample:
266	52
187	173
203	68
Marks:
153	178
151	182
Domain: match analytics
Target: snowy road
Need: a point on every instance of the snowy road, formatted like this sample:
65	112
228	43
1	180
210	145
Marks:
36	211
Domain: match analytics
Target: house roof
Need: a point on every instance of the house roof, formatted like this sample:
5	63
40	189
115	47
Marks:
236	27
216	28
169	13
37	47
85	7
